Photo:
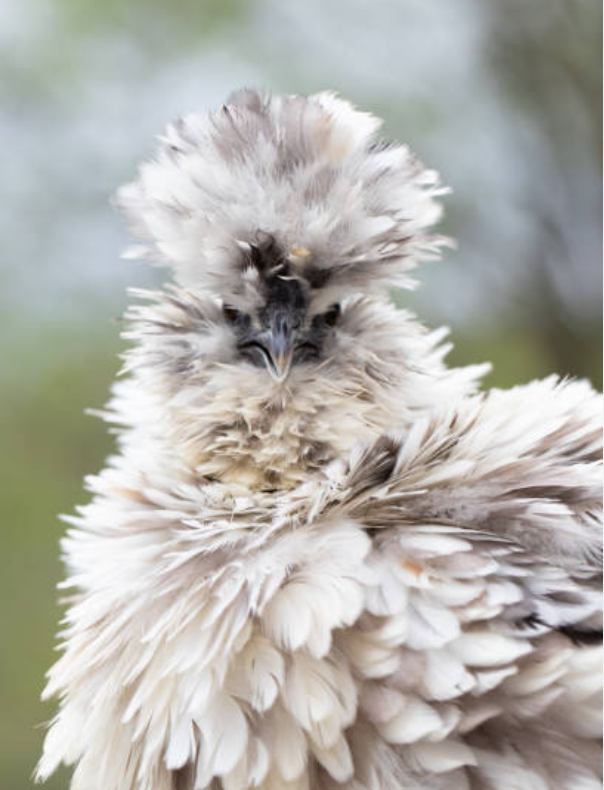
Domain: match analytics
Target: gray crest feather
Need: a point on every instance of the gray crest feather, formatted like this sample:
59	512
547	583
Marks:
345	210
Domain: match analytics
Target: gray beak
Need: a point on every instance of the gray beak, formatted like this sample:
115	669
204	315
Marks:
280	344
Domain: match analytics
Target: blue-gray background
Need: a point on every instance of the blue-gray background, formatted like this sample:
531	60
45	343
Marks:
502	96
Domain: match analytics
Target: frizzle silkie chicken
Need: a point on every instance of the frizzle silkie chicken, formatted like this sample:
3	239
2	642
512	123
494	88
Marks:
321	559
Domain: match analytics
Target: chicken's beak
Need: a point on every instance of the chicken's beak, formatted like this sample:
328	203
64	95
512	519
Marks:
280	346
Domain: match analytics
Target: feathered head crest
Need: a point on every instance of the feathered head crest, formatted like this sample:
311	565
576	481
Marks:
303	177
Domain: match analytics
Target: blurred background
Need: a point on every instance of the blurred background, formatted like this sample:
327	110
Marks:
502	96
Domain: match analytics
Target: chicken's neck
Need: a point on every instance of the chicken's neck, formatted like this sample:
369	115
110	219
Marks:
275	442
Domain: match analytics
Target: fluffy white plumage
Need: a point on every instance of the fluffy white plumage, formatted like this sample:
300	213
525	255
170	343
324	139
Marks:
360	574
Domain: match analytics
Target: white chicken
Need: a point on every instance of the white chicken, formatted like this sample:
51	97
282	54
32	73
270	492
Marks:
320	558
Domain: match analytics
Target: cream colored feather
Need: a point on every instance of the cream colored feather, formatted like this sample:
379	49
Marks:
366	575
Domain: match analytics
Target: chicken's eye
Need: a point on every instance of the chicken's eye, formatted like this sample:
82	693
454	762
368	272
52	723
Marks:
331	316
230	313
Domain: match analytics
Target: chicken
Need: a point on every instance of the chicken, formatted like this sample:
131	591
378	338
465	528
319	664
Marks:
320	558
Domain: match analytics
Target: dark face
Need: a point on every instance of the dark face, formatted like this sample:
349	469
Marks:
280	334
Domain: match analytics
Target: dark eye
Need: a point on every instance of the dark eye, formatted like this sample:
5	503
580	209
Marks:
230	313
331	316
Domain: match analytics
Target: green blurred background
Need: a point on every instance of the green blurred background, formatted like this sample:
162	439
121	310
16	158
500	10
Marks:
502	96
